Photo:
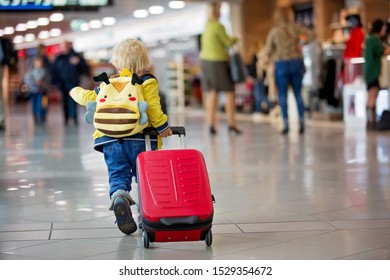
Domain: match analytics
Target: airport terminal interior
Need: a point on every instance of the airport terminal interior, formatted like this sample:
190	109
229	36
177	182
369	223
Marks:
322	195
319	195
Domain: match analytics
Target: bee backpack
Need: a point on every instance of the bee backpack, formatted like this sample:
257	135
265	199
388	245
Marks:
117	107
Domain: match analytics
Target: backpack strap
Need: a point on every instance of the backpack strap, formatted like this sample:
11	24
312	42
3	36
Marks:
147	76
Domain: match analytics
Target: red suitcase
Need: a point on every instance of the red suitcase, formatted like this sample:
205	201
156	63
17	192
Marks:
175	200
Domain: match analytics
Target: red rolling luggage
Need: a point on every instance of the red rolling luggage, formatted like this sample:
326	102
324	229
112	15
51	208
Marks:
175	200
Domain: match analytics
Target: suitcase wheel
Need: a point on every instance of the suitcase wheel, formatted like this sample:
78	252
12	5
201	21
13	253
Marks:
209	238
145	239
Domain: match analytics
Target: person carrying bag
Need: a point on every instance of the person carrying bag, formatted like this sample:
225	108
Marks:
216	78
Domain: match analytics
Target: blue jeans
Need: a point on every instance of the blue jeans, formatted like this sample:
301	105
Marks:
121	159
36	105
260	95
290	72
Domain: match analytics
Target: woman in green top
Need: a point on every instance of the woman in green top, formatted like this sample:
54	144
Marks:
214	58
373	53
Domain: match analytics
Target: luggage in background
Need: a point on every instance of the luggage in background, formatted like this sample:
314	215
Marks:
384	121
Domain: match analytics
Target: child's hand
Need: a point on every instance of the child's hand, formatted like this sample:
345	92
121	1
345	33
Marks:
167	132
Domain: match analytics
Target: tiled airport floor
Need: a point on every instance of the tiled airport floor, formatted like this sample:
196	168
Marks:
324	195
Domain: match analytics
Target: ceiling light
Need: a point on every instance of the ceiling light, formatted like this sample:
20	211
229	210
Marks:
56	17
176	4
156	10
95	24
140	13
21	27
29	37
18	39
31	24
55	32
9	30
44	34
84	27
43	21
109	21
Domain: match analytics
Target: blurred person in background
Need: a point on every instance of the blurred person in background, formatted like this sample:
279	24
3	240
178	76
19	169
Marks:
47	65
36	79
283	44
214	56
353	49
67	69
263	69
2	122
41	52
373	52
8	59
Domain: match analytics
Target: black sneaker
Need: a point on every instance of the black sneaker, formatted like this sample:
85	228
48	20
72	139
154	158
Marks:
124	217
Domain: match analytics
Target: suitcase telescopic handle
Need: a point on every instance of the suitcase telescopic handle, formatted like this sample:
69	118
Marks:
176	130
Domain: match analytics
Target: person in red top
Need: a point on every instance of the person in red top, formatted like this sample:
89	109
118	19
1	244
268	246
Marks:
353	49
354	45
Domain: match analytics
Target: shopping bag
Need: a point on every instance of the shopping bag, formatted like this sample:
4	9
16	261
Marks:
384	78
45	101
237	67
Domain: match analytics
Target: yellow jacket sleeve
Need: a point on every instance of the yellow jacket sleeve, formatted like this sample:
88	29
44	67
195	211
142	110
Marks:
83	96
157	118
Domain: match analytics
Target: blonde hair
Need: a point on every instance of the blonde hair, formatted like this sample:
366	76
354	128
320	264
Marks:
283	15
214	10
132	55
